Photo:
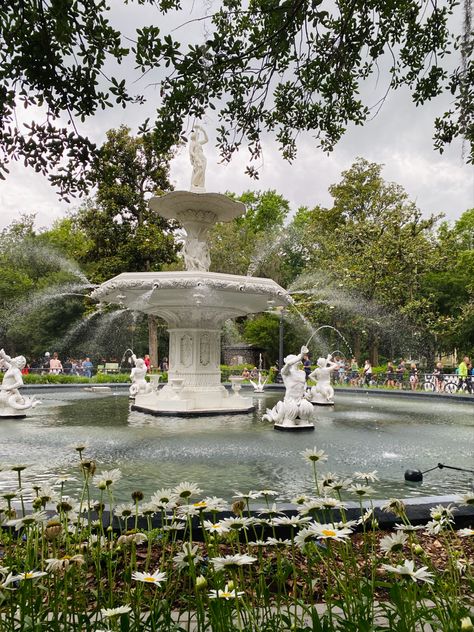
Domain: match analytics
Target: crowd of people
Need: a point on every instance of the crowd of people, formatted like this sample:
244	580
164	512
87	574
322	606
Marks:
399	374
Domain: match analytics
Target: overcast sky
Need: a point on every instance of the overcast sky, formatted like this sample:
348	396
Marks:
400	137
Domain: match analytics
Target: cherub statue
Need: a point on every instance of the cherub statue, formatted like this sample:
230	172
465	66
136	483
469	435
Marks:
198	160
11	400
138	377
196	254
323	392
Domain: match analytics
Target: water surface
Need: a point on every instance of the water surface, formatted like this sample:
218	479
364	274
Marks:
241	452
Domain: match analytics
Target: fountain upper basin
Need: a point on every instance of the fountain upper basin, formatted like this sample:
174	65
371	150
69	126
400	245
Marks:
192	296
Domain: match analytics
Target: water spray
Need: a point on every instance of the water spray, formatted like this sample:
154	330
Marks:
416	476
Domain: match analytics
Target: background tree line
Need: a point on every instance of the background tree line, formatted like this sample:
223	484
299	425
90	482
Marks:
391	281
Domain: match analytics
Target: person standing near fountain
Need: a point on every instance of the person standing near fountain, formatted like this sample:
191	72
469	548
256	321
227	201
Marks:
198	159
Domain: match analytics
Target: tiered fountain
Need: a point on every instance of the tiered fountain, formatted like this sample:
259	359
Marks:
195	303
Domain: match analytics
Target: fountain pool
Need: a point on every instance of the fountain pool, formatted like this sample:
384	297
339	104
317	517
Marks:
241	452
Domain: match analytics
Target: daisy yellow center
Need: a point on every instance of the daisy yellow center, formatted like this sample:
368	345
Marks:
328	532
216	526
200	504
149	579
226	594
28	575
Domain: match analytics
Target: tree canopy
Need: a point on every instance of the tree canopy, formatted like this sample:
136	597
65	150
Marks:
283	66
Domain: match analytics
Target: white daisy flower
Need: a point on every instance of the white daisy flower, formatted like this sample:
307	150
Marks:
37	518
331	503
252	495
188	511
367	476
278	542
163	496
408	569
174	526
466	499
264	493
225	594
360	490
433	527
301	500
216	504
215	527
465	533
231	561
393	542
115	612
330	532
186	490
63	563
290	521
155	578
238	523
189	555
440	512
125	510
408	527
304	536
137	538
340	484
106	478
395	506
270	511
314	455
27	575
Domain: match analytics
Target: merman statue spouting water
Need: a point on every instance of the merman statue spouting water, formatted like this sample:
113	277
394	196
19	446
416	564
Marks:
294	412
12	403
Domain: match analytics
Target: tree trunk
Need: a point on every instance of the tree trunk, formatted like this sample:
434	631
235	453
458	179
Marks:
374	351
356	340
153	340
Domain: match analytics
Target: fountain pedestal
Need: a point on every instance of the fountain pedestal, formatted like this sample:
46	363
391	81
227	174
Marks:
195	304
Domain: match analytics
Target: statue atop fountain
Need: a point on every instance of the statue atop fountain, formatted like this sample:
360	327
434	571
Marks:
138	377
12	403
294	412
198	159
323	393
259	385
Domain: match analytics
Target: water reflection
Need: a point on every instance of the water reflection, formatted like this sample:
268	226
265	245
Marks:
226	453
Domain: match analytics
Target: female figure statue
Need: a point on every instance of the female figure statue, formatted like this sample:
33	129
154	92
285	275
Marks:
198	160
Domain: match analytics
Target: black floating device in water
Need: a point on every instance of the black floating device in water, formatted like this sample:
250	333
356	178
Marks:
416	476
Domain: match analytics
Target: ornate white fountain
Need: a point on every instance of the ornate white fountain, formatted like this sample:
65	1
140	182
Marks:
195	303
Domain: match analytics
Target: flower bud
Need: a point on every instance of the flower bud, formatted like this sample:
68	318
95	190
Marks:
201	582
466	624
417	549
52	530
137	496
230	585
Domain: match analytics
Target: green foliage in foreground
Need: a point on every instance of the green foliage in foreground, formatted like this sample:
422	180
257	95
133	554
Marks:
156	565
